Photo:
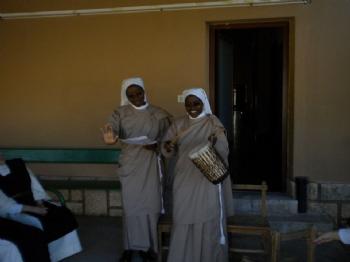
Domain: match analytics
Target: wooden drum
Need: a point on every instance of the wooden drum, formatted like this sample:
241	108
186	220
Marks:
208	161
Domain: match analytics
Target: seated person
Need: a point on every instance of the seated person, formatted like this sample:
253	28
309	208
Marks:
333	246
19	242
23	199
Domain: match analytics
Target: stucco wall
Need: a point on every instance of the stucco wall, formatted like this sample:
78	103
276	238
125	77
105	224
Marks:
60	77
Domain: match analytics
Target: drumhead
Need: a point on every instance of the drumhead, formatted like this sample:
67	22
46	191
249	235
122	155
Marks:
199	150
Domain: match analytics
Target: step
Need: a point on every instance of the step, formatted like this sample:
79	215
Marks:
295	222
277	203
282	212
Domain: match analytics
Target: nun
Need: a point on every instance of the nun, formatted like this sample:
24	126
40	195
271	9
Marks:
200	207
139	127
23	199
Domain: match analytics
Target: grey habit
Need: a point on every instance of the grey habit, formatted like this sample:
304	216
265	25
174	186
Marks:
195	235
139	174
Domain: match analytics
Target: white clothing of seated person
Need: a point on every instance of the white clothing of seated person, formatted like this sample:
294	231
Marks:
9	252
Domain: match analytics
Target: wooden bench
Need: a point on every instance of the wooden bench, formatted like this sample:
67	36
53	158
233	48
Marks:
68	156
253	225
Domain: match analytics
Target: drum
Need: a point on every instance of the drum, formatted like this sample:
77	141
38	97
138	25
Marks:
209	162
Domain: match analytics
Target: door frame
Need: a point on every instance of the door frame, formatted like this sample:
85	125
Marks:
288	81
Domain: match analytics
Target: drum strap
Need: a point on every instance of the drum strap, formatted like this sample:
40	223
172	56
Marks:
183	132
159	163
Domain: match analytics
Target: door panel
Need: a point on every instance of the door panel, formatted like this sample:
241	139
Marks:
248	94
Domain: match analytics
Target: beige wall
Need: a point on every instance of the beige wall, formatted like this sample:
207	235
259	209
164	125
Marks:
60	77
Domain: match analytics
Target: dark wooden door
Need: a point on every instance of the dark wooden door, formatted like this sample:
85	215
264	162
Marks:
249	95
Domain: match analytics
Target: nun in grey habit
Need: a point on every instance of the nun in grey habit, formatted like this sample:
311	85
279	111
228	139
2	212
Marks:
139	127
199	207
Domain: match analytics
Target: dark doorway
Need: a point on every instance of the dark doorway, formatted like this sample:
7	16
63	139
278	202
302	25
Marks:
249	86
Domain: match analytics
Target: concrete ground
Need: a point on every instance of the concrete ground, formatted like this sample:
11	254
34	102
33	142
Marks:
101	238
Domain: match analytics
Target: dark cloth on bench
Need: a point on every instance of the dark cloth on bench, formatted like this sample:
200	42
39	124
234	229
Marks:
30	241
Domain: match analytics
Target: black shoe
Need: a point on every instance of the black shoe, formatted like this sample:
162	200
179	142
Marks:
126	256
143	256
152	256
148	256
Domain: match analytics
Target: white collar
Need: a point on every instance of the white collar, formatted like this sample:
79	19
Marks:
198	117
140	107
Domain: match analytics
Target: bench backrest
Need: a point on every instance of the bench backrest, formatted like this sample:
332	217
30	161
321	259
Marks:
68	156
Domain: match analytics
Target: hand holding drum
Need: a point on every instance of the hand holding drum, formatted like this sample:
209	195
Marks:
169	145
212	139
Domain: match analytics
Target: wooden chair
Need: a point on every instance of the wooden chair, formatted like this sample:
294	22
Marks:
308	234
164	228
253	225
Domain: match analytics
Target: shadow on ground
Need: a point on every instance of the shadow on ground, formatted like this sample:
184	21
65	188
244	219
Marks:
101	238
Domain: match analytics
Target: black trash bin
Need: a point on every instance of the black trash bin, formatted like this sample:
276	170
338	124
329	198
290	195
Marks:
301	192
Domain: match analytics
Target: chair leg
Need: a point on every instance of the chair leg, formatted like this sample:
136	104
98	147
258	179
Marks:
267	239
311	245
275	246
160	245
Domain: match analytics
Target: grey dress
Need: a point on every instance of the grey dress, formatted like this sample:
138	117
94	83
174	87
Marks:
195	235
139	174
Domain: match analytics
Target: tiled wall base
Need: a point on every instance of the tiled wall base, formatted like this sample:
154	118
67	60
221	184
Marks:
92	202
332	199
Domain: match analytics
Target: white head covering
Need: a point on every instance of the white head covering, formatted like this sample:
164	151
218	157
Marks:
200	93
4	170
129	82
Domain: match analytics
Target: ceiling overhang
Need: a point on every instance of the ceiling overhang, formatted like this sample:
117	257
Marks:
149	8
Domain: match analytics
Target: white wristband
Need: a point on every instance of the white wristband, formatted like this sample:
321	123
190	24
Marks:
344	235
15	209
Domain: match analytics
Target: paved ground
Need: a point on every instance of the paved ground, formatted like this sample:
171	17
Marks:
101	238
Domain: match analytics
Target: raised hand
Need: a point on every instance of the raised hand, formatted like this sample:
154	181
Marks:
327	237
108	135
